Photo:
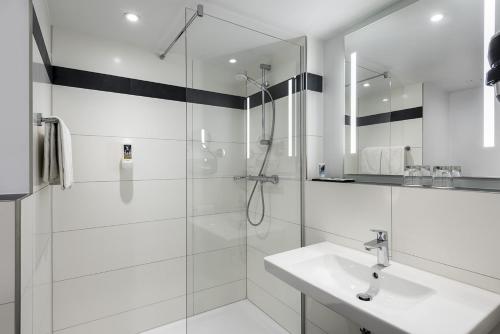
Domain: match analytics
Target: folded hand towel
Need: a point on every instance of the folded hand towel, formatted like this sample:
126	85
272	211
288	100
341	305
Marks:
370	160
58	159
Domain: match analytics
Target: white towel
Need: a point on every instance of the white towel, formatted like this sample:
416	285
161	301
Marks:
369	162
392	160
58	157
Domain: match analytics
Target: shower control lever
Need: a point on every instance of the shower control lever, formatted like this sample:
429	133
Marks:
274	179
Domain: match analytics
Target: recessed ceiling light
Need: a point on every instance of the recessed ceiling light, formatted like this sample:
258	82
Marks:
437	17
131	17
385	100
233	61
366	84
117	60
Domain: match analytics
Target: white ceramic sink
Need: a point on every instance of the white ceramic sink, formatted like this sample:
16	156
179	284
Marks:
405	299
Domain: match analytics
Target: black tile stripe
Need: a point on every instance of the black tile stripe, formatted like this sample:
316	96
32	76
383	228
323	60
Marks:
280	90
42	47
399	115
215	99
110	83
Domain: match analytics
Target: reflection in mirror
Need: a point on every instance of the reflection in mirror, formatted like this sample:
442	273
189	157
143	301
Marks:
420	92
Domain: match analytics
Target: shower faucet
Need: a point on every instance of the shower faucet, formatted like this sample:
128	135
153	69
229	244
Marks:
274	179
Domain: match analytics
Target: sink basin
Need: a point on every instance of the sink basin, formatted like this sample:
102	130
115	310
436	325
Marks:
403	299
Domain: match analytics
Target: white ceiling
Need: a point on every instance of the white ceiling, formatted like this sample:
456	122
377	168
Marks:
161	20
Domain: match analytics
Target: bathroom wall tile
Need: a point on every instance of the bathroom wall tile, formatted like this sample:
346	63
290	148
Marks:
462	275
218	231
210	299
285	200
279	312
348	210
279	161
216	195
219	124
407	133
218	159
268	282
42	295
219	267
98	158
7	318
448	220
134	321
314	114
314	236
89	298
273	236
96	204
282	120
374	135
7	251
90	112
314	156
81	51
91	251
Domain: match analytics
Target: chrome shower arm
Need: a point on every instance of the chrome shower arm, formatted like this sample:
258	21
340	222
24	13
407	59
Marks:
199	13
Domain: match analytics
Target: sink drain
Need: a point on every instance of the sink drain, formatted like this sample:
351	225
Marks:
364	297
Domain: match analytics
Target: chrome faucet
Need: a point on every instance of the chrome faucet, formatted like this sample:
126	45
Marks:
382	246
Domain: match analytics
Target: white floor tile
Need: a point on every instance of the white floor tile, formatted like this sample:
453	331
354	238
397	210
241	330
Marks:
242	317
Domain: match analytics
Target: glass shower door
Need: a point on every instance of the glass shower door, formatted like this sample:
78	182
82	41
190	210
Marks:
238	145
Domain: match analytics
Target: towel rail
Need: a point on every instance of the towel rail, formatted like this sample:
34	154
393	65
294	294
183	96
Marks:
38	119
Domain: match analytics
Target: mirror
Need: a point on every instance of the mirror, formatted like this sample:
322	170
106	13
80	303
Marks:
415	92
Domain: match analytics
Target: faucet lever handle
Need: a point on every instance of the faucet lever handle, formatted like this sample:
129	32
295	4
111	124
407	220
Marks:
381	234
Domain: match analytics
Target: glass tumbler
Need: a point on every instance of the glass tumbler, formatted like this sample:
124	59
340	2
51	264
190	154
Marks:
442	177
412	176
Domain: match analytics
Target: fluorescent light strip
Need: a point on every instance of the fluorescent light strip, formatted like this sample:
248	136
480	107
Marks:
248	128
290	117
203	139
354	102
489	92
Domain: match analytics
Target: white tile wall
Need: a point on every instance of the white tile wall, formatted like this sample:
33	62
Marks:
278	311
348	210
136	320
268	282
218	231
84	252
98	204
426	221
216	268
89	298
90	112
216	195
98	158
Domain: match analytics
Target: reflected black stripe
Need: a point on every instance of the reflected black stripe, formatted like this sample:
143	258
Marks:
395	116
38	36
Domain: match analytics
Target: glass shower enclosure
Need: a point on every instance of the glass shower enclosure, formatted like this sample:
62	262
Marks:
243	174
